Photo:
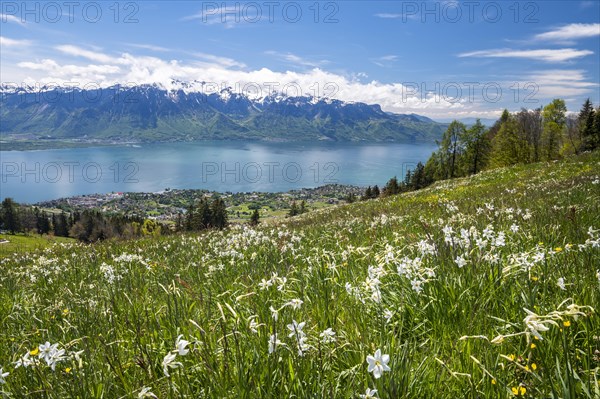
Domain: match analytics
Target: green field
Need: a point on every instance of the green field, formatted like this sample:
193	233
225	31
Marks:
483	287
20	243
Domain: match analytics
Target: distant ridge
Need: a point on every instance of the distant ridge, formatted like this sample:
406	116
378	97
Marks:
151	113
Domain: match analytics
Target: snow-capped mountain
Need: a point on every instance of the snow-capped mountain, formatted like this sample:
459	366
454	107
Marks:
184	111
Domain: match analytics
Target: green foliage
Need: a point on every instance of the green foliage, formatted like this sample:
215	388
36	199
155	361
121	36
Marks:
10	218
554	123
392	187
509	145
296	209
150	228
206	215
255	218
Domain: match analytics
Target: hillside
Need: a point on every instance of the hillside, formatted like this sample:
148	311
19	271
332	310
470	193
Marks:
485	287
150	113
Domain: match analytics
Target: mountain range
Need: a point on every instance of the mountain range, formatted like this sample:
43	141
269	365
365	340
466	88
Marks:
153	113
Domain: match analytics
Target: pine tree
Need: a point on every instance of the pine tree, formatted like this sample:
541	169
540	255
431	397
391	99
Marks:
189	218
302	207
376	192
255	218
179	224
392	187
368	193
60	225
596	129
219	213
42	222
293	209
408	180
10	216
418	180
585	120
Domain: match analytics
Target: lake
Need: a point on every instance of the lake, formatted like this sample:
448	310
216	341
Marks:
33	176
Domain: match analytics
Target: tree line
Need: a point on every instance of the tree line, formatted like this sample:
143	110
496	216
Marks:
527	136
94	225
203	215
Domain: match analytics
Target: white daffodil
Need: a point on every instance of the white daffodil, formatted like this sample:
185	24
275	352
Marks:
369	394
561	284
460	261
417	285
180	345
535	324
388	314
24	361
327	336
295	303
274	313
56	356
145	393
273	343
378	363
168	363
253	325
46	350
296	329
3	376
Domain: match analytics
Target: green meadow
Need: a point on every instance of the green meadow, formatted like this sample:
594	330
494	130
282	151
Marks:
479	287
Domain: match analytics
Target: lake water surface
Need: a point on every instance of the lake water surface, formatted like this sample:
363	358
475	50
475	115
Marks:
33	176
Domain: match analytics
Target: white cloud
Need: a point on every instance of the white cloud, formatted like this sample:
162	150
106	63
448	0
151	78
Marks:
148	47
79	52
224	61
71	74
388	15
11	18
219	72
8	42
547	55
570	32
384	61
297	60
224	14
561	82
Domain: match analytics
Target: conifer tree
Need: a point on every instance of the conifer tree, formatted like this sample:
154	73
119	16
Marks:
255	218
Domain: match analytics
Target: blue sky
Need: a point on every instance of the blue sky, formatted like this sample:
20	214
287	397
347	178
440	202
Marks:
442	59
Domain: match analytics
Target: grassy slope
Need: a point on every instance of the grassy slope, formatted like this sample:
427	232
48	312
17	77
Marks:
126	314
20	243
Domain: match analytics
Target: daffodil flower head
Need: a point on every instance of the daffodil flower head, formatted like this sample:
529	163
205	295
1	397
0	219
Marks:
378	364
